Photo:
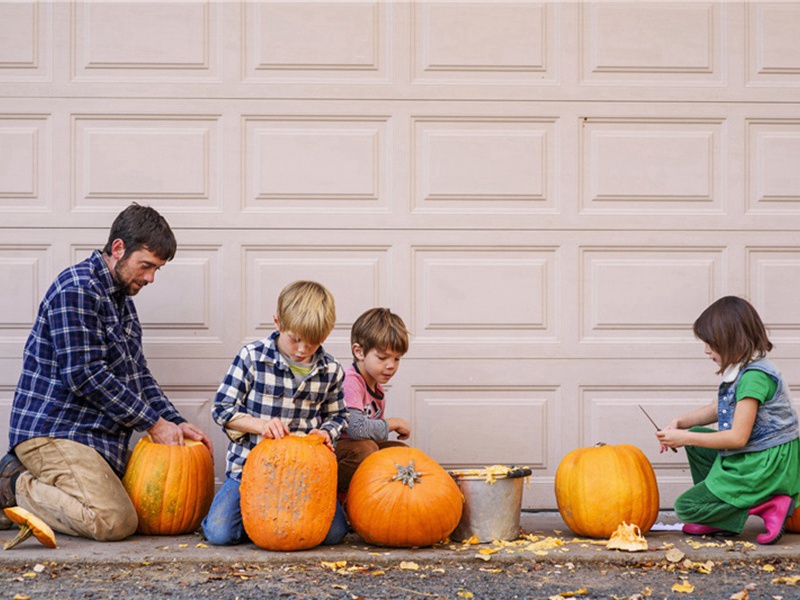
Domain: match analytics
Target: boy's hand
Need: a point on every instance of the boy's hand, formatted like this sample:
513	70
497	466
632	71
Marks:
274	429
400	426
325	435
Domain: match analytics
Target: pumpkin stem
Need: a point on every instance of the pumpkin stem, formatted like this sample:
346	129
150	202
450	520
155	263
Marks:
407	475
25	531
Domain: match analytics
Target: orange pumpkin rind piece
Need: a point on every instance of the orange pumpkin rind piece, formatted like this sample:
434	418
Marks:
627	537
29	524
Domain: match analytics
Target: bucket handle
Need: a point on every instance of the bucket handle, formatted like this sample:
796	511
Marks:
517	472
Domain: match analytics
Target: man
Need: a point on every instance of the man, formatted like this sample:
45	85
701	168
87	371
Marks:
85	387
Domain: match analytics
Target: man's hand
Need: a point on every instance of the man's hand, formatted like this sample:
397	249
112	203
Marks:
166	432
193	432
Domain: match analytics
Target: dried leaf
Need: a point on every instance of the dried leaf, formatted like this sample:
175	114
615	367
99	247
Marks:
684	587
768	568
201	545
471	541
409	566
488	550
465	594
339	564
674	555
743	595
791	580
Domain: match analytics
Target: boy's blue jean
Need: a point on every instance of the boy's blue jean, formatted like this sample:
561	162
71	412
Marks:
223	524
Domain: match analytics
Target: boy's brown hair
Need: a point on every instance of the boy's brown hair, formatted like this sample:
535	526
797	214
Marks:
380	328
307	309
733	329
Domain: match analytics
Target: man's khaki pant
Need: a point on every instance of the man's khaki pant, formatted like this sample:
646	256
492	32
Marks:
74	490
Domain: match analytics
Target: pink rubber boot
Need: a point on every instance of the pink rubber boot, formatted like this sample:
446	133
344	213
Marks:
698	529
775	512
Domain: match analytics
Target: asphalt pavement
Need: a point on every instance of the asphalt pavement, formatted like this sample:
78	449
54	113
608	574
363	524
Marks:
544	537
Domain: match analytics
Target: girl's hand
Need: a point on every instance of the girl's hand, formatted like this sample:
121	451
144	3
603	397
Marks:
671	437
274	429
325	435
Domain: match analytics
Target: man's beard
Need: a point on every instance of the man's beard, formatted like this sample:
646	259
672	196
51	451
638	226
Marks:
125	286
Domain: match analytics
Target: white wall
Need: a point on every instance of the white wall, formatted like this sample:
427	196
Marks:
548	193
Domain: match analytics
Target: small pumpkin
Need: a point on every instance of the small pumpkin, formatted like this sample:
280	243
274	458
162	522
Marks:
599	487
171	486
288	492
401	497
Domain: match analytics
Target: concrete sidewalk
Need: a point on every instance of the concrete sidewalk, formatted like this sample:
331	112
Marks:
552	541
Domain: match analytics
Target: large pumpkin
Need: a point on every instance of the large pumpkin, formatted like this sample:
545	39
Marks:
401	497
171	486
599	487
288	492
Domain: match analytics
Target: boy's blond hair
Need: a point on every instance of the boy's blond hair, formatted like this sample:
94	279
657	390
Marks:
380	328
307	309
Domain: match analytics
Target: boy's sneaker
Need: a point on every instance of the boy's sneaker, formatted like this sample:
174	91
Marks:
10	468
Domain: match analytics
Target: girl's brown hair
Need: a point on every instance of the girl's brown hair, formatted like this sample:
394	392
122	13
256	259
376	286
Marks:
733	329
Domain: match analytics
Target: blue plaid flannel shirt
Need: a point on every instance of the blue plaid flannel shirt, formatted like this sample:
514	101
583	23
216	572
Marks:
259	383
84	376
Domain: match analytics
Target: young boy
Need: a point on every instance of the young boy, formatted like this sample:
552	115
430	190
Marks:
379	340
284	383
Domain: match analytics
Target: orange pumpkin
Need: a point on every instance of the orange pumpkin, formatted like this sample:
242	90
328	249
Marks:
171	486
599	487
288	492
401	497
793	522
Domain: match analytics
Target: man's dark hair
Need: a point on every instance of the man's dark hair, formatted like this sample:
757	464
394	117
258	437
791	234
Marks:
142	227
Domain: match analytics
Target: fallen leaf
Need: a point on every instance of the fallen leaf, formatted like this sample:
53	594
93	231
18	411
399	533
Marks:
465	594
791	580
684	587
488	550
21	597
339	564
409	566
471	541
743	595
768	568
201	545
674	555
38	568
486	557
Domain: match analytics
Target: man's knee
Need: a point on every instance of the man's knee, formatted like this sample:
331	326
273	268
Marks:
115	523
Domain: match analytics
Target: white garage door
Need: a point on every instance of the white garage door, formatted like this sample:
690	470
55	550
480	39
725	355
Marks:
548	193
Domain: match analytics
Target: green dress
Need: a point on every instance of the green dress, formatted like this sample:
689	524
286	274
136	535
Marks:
726	487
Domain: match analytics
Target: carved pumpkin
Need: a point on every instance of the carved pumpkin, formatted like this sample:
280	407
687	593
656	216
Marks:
600	487
288	492
401	497
171	486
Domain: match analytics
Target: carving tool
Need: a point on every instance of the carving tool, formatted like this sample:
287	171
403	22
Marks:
649	418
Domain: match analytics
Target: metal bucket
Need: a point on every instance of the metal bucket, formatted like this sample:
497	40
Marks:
491	510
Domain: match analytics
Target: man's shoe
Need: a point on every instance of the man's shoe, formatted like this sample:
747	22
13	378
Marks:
10	467
698	529
775	512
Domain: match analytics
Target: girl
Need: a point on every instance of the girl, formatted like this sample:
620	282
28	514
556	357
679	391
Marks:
749	465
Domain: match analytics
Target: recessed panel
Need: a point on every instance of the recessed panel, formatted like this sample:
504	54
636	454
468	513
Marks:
25	46
25	146
652	41
462	292
650	294
173	161
24	271
356	277
774	46
652	167
328	163
773	155
490	165
773	275
145	40
488	42
316	40
470	426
